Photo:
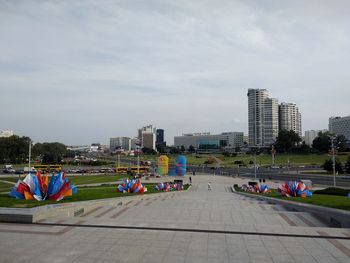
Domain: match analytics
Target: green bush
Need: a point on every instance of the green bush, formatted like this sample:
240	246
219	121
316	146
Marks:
333	191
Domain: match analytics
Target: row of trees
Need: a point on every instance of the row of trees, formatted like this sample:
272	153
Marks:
339	167
15	150
289	141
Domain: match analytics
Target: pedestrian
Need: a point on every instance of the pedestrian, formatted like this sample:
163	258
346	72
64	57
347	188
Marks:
190	180
209	186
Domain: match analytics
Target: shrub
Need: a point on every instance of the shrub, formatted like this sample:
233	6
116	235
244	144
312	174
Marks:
333	191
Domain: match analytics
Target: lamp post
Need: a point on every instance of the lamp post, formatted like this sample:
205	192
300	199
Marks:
30	154
273	152
333	158
254	164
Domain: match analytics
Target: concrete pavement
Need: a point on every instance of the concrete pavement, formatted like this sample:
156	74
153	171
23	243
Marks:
190	226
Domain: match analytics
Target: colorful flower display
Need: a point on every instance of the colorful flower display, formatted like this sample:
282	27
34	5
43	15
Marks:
166	187
294	189
39	187
131	186
257	188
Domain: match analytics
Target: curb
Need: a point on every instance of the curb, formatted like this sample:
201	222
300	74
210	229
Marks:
333	217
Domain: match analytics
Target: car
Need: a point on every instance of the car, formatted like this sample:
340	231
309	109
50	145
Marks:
19	171
9	171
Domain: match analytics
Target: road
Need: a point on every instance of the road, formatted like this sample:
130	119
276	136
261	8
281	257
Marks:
280	175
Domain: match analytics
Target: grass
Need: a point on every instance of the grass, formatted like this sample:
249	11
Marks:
263	159
5	187
93	179
83	179
332	201
84	194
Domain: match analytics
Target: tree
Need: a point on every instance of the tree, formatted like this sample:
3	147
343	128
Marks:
322	142
303	149
51	152
286	140
341	143
161	148
174	150
191	149
183	149
14	149
328	166
347	166
146	150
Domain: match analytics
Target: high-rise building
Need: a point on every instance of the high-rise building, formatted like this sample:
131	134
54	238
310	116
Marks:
160	137
266	118
289	118
262	118
270	127
311	135
147	137
120	142
340	126
209	141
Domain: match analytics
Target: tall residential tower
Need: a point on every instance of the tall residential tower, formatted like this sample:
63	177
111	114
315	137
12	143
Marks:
266	118
290	118
262	118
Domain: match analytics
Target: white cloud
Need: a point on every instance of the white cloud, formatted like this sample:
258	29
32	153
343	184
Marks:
93	69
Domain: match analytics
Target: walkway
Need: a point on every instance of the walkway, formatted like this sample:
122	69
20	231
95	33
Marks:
192	226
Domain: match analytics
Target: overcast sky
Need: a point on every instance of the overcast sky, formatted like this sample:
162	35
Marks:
79	72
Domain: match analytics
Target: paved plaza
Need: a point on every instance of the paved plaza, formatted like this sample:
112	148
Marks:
190	226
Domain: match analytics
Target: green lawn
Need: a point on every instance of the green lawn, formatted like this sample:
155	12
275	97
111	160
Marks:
5	187
93	179
83	179
333	201
263	159
84	194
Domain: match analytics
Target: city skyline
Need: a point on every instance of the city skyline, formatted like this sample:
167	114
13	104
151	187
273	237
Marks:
83	72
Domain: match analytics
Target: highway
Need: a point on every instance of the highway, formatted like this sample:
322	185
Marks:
278	175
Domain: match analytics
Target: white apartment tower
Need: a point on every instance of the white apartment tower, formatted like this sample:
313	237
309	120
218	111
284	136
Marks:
262	118
266	118
290	118
271	127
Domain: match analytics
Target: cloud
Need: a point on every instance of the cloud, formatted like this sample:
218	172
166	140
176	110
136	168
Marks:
89	70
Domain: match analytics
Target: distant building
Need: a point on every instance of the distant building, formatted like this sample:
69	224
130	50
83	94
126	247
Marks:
262	118
160	137
120	142
340	126
95	147
289	118
6	133
147	137
266	118
208	141
270	127
311	135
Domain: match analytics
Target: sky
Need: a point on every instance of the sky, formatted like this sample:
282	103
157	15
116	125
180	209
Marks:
79	72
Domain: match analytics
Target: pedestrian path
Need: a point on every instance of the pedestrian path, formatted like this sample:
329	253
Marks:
189	226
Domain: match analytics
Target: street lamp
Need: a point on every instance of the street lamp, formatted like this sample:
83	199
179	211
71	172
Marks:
30	154
255	149
333	157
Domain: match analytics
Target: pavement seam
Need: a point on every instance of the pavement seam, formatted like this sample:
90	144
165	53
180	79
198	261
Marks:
336	243
120	212
321	236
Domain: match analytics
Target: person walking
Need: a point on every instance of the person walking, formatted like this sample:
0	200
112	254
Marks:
209	186
190	179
